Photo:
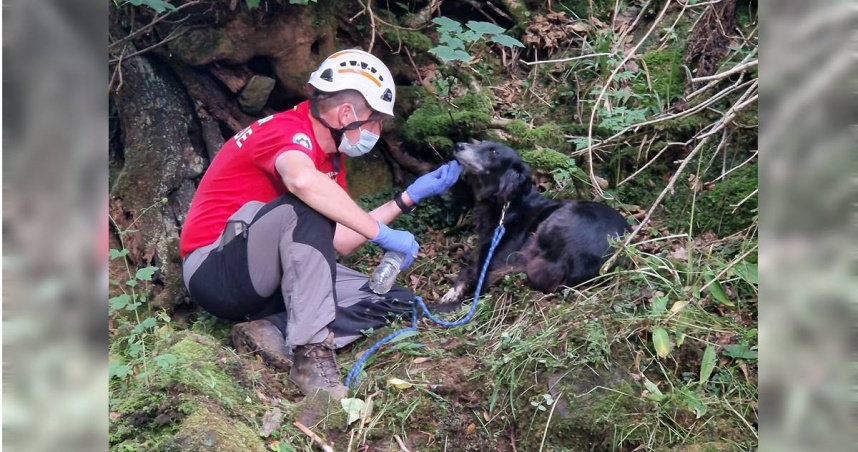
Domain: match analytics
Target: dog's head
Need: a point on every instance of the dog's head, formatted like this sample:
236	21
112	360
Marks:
500	172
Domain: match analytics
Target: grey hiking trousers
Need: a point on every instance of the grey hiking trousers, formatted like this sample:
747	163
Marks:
277	261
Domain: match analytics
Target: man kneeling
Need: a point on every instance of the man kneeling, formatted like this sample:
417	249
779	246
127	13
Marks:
272	212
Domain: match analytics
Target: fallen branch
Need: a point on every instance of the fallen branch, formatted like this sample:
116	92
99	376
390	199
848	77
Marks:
647	164
740	104
152	24
735	70
605	88
564	60
400	443
550	414
177	33
736	86
736	206
316	439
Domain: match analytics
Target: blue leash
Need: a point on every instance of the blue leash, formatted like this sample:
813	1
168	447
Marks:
354	372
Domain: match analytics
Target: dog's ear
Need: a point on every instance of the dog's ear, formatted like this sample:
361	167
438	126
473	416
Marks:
514	182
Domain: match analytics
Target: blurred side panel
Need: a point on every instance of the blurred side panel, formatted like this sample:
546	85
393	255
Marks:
54	225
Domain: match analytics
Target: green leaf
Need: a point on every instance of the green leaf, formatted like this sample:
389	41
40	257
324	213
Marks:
115	254
716	290
131	283
145	274
655	394
748	272
117	370
149	322
354	408
447	54
253	4
119	301
469	35
707	365
452	42
661	341
166	361
658	306
507	41
135	348
693	401
741	351
447	24
486	28
403	336
158	5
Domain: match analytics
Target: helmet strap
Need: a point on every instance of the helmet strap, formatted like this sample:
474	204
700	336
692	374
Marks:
336	133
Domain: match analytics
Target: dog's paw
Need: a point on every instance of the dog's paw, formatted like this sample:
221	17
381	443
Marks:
452	295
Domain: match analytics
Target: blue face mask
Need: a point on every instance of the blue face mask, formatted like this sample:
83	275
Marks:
365	143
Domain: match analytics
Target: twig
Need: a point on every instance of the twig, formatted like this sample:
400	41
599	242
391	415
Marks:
735	70
563	60
372	23
173	35
674	143
740	104
745	421
681	115
117	72
401	444
545	433
668	188
416	71
152	24
729	266
754	155
605	88
736	207
316	439
659	239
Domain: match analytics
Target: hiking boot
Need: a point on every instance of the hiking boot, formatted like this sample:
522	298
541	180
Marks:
263	338
315	368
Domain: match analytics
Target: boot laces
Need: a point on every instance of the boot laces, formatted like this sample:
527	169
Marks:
325	360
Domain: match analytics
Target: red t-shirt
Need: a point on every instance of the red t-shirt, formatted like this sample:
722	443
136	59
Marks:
243	171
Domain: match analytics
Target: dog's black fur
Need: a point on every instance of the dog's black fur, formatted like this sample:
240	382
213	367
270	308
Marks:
554	242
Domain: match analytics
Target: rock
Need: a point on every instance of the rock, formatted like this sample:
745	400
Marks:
368	175
211	431
255	94
294	42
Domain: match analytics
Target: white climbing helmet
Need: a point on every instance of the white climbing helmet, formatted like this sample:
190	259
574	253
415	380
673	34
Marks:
360	71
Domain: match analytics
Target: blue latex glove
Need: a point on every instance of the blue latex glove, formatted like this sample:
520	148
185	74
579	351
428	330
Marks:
396	240
434	183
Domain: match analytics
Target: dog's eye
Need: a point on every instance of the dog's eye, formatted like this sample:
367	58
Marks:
494	151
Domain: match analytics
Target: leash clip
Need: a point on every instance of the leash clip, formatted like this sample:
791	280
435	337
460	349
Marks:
503	213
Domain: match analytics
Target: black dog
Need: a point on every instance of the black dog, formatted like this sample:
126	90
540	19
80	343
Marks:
554	242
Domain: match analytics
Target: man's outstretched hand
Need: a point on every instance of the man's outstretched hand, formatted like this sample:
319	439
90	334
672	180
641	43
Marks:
396	240
434	183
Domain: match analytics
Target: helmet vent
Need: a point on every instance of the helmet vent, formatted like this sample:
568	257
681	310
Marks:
353	63
387	96
372	69
363	65
380	78
343	64
327	75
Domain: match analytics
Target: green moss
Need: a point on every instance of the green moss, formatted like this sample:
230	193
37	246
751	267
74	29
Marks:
440	123
206	383
665	74
368	174
416	42
201	371
209	430
546	159
549	135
